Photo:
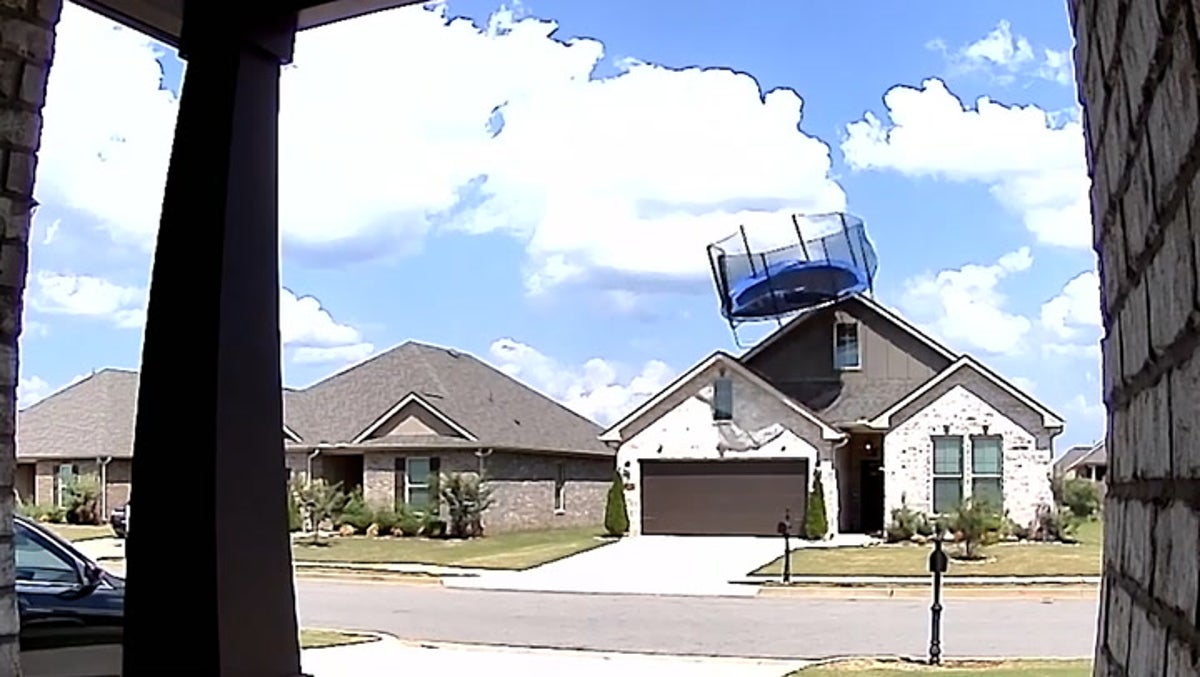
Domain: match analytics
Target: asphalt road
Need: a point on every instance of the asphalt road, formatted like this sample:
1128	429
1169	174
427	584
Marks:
747	627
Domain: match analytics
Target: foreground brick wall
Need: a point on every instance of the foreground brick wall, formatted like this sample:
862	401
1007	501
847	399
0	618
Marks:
1136	62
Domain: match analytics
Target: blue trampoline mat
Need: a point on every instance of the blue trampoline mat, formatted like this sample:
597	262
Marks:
785	287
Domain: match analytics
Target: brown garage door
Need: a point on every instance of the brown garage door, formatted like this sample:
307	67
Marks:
725	498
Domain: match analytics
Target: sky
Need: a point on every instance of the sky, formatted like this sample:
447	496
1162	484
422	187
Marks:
535	183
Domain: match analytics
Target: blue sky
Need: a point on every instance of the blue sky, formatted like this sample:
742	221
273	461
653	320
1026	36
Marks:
568	246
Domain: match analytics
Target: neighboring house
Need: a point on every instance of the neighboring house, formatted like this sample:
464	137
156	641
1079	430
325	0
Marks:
388	425
85	428
1086	461
887	414
392	423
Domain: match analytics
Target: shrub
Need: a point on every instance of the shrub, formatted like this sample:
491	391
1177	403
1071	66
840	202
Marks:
1056	524
907	523
1081	497
977	524
816	524
81	499
356	513
1017	530
385	519
295	519
320	502
467	496
616	515
409	523
43	513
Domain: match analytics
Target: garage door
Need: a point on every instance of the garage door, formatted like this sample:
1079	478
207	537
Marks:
722	498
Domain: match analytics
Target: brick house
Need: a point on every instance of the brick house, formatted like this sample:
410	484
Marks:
888	415
388	425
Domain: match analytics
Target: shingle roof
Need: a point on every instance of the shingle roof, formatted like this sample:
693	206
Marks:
1080	454
494	407
89	418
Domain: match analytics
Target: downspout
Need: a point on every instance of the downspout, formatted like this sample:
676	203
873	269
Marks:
482	454
308	470
103	463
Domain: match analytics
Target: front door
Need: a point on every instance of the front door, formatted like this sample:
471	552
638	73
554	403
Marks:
871	495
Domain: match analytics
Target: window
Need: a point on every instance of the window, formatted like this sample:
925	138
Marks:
987	470
62	480
420	481
846	354
723	399
560	488
947	474
38	563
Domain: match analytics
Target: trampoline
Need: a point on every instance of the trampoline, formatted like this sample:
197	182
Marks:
757	282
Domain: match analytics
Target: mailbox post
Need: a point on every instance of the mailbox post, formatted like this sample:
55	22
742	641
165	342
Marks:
938	563
785	529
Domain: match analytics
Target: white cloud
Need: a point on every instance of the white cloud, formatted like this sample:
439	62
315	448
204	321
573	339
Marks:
600	390
965	307
1089	410
1073	316
1004	55
31	390
1032	166
387	127
1027	385
313	334
89	296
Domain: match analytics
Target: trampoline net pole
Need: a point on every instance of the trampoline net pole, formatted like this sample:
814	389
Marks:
800	236
746	244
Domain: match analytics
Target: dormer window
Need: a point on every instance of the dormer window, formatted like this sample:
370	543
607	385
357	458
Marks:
723	399
846	352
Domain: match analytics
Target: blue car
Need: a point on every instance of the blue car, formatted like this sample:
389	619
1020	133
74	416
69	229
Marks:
72	611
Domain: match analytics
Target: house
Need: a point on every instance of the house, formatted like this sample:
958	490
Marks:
391	424
888	415
1086	461
388	426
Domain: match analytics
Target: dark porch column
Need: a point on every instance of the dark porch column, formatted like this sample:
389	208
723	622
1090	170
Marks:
210	582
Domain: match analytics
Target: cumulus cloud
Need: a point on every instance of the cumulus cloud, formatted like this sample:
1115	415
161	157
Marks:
312	334
966	307
500	128
1004	55
1033	165
1072	318
89	296
31	390
600	389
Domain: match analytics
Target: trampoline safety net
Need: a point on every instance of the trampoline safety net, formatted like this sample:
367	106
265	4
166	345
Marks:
824	257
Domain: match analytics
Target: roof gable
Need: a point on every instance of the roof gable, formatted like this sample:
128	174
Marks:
615	433
496	409
854	305
413	415
90	418
1049	419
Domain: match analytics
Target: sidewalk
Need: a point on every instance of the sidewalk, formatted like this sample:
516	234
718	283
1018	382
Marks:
389	657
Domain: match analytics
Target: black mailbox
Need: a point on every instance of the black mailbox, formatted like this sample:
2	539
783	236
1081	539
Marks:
938	561
781	528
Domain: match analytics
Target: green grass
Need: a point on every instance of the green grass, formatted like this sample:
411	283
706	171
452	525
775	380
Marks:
1018	668
520	550
1003	559
320	639
81	532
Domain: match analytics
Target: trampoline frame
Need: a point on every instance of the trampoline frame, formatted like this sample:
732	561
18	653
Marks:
716	258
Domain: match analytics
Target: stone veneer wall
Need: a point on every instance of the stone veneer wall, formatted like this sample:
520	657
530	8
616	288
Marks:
686	431
1137	67
908	455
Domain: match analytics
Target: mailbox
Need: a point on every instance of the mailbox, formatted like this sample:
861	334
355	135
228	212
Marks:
939	562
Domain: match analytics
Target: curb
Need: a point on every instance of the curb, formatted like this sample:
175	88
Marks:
876	592
369	575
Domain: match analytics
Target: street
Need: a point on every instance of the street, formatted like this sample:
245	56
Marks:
794	628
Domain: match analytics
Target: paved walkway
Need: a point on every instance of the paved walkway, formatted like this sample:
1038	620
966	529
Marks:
389	657
646	565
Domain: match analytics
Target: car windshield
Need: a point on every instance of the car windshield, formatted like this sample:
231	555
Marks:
38	563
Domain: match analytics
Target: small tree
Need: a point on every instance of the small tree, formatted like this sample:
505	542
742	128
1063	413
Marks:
81	498
1081	497
295	518
320	502
978	524
616	515
816	524
467	496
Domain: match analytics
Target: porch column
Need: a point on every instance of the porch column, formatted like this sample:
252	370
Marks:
209	567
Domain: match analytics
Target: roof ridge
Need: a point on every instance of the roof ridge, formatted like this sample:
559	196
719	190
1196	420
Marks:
554	401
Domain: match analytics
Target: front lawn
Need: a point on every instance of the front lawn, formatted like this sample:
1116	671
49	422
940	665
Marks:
520	550
320	639
1016	668
80	532
1003	559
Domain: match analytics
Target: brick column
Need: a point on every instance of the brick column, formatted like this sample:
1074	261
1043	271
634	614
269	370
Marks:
26	47
1137	69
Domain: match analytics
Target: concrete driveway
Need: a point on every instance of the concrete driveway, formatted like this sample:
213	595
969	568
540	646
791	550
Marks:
644	565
